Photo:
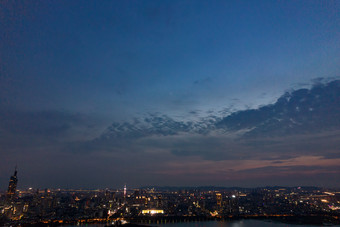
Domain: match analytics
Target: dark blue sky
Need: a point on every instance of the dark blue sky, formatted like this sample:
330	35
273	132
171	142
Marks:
69	69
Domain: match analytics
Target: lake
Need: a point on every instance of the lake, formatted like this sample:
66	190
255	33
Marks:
237	223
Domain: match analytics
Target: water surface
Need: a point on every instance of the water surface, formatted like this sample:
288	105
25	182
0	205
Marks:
237	223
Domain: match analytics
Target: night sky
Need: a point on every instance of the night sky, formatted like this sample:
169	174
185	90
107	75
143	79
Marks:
96	94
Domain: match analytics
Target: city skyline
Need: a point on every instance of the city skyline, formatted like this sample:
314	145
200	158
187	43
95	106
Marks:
294	205
170	93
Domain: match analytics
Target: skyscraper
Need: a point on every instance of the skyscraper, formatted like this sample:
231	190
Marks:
13	181
219	200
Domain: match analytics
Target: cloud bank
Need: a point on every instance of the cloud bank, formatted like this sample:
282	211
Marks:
294	141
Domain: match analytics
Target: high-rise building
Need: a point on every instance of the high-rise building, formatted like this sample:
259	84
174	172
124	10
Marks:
13	181
219	199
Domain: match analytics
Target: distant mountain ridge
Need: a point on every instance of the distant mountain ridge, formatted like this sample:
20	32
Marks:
298	112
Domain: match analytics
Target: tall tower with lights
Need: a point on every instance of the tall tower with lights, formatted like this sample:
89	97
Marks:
219	200
124	191
13	181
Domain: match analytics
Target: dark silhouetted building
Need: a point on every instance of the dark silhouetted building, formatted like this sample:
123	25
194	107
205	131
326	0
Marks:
13	181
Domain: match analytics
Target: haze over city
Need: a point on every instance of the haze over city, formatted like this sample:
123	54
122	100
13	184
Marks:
99	94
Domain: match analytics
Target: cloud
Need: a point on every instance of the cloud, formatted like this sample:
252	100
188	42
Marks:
303	111
46	123
216	147
247	169
270	132
21	130
242	146
204	82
